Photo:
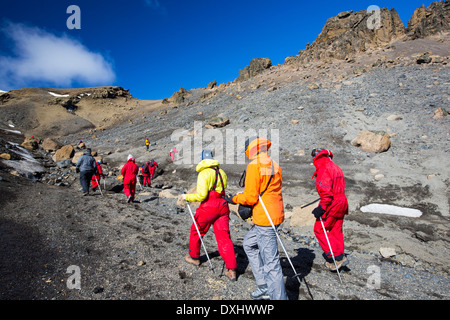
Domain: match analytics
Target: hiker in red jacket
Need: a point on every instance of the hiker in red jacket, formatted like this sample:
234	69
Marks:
146	174
152	168
333	206
172	154
96	177
129	172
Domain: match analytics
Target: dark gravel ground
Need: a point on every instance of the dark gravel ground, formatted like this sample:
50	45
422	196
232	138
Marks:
136	251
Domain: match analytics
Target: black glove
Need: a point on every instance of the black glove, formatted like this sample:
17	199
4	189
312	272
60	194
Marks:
229	199
77	170
318	212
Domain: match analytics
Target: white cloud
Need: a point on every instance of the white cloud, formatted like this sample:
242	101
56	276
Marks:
43	58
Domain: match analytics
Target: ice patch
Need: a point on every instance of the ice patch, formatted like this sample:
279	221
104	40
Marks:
59	95
28	164
390	209
12	131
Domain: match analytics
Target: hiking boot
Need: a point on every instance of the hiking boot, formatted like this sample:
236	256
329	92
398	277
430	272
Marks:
260	293
129	199
189	259
231	273
340	263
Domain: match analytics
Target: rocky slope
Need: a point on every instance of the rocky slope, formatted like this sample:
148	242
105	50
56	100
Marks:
394	90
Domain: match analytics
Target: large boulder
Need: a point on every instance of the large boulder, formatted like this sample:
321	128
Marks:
64	153
50	145
30	143
372	141
301	217
255	67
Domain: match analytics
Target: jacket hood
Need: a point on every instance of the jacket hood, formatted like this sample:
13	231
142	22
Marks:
323	153
321	158
206	163
256	146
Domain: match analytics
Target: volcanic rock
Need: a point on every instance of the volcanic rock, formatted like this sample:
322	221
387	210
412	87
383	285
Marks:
372	141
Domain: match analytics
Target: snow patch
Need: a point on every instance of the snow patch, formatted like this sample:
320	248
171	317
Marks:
12	131
59	95
28	164
390	209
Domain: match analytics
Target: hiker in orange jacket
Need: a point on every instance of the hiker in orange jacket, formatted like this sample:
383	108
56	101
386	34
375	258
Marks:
332	208
260	244
129	172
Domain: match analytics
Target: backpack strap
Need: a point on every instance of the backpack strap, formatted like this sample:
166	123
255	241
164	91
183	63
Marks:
271	176
221	180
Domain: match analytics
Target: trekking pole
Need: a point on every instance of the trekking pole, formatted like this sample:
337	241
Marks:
139	183
275	230
200	236
98	183
306	205
331	250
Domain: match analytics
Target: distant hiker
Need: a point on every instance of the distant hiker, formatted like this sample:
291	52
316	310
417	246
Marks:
333	206
87	167
152	168
141	174
146	174
211	184
96	177
147	143
172	154
260	243
129	172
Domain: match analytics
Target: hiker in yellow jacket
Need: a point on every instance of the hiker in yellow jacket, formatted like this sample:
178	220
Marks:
214	210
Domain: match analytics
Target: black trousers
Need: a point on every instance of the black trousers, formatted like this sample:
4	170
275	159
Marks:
85	180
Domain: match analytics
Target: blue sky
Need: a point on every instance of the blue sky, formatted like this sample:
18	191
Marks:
154	47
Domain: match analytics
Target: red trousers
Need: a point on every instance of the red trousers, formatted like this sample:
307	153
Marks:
214	211
335	235
94	180
146	180
130	189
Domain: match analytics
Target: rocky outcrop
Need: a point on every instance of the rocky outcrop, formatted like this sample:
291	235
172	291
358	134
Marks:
370	141
350	33
255	67
429	21
179	96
